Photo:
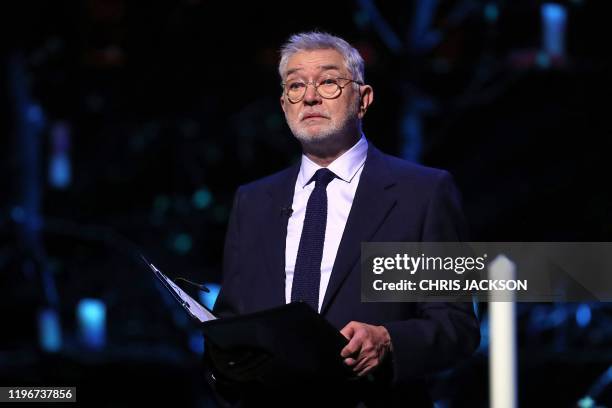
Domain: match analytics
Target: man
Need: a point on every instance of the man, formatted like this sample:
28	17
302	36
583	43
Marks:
296	235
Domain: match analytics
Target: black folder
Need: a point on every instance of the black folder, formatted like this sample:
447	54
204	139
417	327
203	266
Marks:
285	345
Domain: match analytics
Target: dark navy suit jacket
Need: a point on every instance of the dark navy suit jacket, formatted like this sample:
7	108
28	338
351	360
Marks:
395	201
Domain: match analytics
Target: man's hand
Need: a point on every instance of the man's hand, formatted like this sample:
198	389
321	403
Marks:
368	345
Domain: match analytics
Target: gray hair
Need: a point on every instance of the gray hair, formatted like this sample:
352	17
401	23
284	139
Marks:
315	40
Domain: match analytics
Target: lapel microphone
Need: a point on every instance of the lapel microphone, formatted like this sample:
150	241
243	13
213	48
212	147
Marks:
286	211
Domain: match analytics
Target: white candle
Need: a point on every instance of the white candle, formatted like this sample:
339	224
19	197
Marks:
502	345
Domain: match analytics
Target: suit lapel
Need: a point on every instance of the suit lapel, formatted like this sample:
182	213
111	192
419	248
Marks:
373	200
280	196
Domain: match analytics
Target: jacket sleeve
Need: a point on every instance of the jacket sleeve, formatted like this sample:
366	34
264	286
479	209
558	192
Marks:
228	302
442	334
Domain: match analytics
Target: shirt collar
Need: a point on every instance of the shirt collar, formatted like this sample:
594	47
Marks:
344	167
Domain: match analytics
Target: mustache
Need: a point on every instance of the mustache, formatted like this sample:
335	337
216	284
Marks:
306	114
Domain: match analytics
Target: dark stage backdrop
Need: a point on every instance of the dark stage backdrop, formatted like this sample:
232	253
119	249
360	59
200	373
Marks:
126	126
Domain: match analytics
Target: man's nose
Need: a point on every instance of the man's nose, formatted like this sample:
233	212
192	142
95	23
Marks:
311	97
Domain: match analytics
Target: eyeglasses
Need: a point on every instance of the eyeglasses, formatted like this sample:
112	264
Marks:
326	87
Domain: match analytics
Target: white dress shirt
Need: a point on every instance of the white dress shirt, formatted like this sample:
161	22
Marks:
340	195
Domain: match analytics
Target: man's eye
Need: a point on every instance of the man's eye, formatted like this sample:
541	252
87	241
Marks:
295	85
328	81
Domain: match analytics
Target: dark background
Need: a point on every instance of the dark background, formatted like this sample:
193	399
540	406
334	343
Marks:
167	106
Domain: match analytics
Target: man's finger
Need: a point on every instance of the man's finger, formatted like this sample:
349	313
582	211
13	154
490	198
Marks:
361	364
348	331
350	361
352	348
365	371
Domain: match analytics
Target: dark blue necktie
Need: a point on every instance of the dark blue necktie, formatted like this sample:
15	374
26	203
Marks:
307	272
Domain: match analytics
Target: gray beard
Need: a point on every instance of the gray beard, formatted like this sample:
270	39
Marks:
333	130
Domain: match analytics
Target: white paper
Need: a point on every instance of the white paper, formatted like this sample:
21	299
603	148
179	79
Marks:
193	307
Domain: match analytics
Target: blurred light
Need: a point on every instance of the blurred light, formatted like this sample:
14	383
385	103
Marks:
558	315
484	335
49	330
607	377
182	243
34	114
554	18
597	389
586	402
491	12
202	198
18	214
209	299
384	30
196	343
542	60
59	162
553	11
59	171
583	315
412	134
33	221
91	314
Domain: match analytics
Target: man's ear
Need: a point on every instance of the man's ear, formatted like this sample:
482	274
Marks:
283	102
366	98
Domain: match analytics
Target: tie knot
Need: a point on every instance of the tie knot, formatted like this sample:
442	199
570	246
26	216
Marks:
323	177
